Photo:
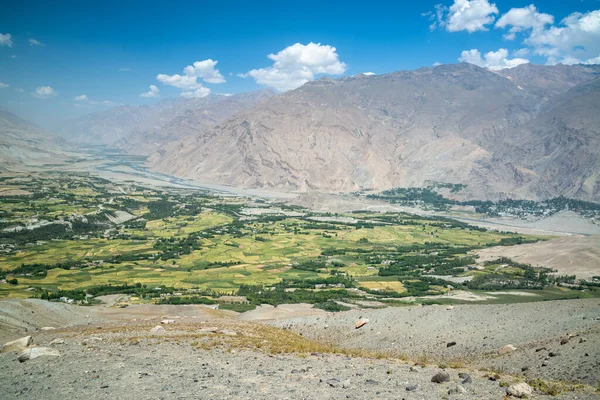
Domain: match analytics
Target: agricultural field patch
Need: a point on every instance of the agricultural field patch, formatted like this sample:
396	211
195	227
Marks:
76	235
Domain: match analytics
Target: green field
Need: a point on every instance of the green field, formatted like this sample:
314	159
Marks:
57	236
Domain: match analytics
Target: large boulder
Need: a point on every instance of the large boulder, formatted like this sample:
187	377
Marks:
18	345
35	352
520	390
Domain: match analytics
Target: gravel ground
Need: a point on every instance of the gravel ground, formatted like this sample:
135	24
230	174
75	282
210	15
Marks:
164	368
203	354
424	332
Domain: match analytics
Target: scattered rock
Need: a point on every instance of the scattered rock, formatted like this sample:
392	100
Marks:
411	388
360	323
565	340
91	339
228	332
450	308
371	382
47	328
520	390
553	354
209	329
450	344
440	377
467	379
17	345
167	321
509	348
333	382
157	328
35	352
457	390
57	341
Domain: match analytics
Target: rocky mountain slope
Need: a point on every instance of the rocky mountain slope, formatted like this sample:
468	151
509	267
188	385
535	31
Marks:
23	144
452	123
557	151
142	129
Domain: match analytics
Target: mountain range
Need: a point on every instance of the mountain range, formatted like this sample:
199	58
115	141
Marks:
143	129
24	145
528	132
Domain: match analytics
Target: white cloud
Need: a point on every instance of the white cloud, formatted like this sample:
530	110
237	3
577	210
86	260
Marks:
521	52
19	90
595	60
436	17
494	60
205	70
83	100
44	92
201	92
3	85
575	40
188	82
184	82
13	56
523	19
369	73
5	39
124	69
463	15
297	64
33	42
153	92
436	64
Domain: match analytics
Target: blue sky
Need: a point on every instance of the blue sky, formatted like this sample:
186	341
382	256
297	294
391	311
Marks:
90	55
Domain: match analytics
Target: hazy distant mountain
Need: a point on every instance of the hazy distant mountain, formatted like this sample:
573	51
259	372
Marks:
452	123
188	117
23	144
142	129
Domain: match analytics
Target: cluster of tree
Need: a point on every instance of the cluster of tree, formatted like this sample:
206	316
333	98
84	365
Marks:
137	289
39	269
278	295
160	209
528	277
185	300
174	247
441	263
311	265
333	280
331	306
521	208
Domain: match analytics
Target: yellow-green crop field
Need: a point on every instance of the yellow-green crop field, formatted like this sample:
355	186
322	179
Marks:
184	240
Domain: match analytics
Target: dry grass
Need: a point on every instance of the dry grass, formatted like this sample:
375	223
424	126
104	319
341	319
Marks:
553	388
